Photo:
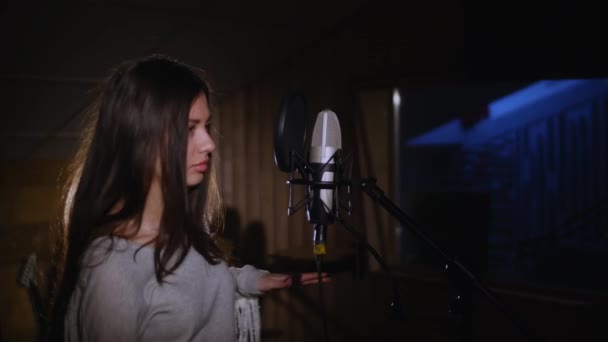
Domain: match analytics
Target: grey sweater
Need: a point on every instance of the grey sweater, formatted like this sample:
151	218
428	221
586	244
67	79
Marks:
119	299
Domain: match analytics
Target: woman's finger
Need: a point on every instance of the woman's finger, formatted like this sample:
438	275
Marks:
274	281
316	281
313	278
310	276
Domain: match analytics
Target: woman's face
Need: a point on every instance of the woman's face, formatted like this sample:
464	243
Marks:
200	144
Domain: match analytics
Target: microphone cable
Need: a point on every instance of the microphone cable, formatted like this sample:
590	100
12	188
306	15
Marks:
319	250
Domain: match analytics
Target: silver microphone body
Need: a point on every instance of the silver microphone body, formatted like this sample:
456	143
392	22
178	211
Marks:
321	155
326	141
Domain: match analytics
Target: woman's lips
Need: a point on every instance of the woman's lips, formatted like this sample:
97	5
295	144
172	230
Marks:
201	167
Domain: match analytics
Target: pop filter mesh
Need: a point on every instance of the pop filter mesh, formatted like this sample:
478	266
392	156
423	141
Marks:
290	130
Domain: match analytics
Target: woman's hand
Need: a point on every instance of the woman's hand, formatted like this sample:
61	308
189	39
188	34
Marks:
277	281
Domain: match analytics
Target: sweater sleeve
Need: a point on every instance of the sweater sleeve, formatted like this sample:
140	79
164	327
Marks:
110	306
247	280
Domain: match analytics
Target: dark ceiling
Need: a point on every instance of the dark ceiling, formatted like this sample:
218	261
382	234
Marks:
54	53
234	40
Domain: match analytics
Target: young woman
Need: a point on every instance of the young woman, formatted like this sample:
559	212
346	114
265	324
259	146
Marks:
142	218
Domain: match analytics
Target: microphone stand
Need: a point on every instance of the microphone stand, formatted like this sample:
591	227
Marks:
395	304
320	230
305	170
457	272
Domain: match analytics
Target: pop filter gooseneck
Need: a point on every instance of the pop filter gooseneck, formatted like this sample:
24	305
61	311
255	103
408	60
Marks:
290	130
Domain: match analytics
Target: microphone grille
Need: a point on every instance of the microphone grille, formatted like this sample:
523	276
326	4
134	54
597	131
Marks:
326	132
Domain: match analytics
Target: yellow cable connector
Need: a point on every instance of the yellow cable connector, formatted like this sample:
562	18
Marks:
319	249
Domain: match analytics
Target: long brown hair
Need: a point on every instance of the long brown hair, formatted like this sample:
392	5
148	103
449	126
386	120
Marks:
139	118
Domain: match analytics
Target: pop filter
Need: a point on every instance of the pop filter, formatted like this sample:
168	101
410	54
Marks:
290	130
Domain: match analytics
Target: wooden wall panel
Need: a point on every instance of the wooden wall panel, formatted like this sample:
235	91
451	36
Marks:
222	117
29	204
237	136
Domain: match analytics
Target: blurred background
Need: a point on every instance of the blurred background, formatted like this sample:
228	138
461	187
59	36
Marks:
486	122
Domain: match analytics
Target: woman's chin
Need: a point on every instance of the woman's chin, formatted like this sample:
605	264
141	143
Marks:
194	179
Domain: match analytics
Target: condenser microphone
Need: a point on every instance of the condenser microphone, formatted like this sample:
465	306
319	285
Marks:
326	141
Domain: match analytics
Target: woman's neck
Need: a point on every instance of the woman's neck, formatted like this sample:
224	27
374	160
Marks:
151	216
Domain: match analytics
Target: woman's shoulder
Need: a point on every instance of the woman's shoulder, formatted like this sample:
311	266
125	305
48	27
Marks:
114	277
108	256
